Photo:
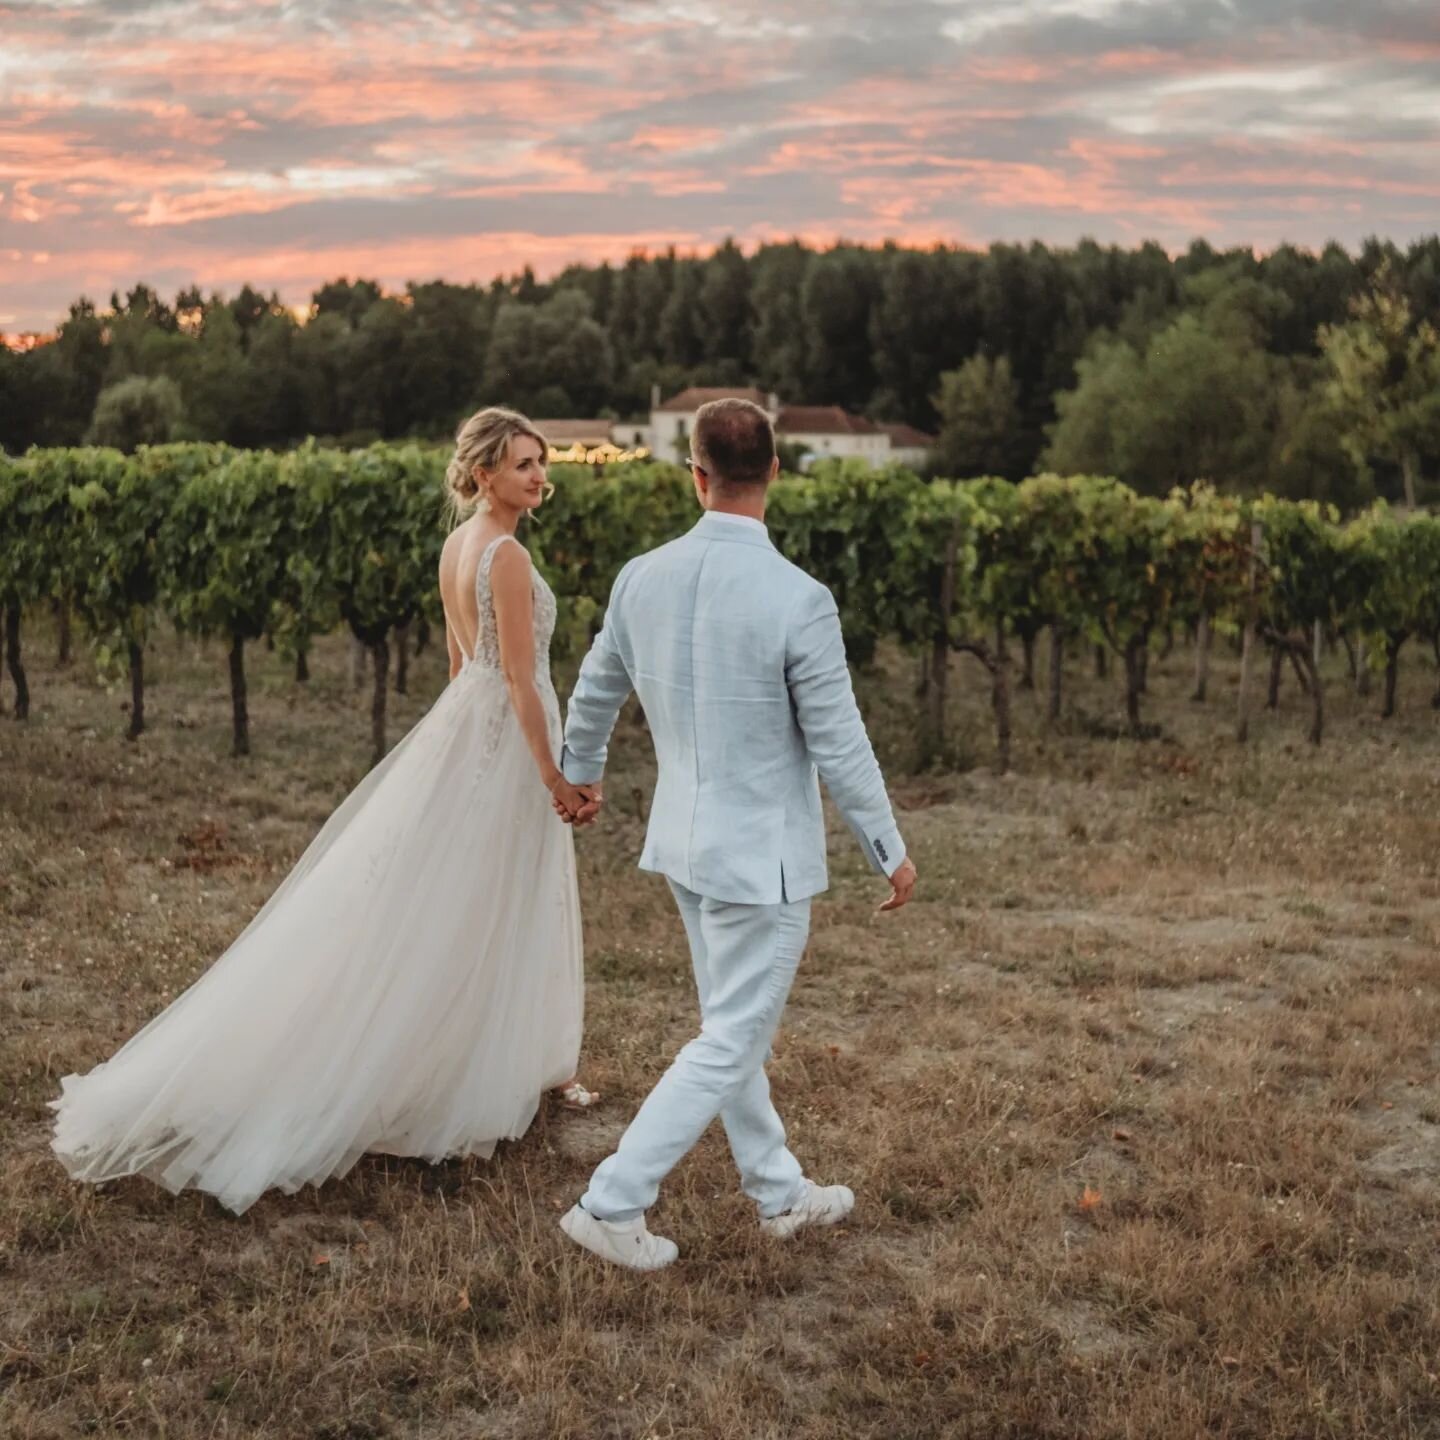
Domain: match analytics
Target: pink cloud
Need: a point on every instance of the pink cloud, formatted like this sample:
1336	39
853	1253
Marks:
666	139
296	271
1295	177
1416	52
158	146
903	182
1011	70
1093	190
1136	61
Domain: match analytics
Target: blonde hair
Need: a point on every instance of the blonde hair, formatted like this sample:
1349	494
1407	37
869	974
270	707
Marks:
483	441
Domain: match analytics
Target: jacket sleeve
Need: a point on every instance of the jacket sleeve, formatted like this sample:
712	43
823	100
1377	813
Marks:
602	687
819	682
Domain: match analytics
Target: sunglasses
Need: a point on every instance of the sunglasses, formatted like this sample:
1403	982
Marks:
695	465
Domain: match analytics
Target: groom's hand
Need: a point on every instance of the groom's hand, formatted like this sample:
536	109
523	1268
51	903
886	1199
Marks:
902	885
576	804
594	798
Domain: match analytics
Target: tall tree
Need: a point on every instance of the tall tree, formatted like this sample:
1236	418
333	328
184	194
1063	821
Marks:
682	340
777	279
836	299
979	409
1197	405
1307	454
724	305
211	378
1384	381
272	410
552	360
925	320
373	388
71	372
143	410
443	354
1084	439
321	353
348	301
144	336
21	402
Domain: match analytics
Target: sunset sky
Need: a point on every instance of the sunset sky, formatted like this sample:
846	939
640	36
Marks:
286	142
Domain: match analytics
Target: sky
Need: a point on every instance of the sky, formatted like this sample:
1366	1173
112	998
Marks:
288	142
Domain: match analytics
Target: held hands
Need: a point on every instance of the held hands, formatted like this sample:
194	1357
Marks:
575	804
902	885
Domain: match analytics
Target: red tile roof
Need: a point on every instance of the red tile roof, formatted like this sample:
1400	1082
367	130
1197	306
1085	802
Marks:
698	395
821	420
567	431
907	437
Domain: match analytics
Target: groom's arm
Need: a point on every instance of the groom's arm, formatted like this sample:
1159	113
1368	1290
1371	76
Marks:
603	686
819	682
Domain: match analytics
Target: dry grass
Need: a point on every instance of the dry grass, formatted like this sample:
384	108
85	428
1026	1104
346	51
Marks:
1139	1099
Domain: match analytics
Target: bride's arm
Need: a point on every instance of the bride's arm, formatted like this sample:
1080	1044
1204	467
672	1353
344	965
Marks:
515	632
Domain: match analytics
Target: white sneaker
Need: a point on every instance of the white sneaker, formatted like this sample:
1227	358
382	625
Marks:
623	1242
820	1205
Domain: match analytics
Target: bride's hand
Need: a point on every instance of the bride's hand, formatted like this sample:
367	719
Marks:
569	800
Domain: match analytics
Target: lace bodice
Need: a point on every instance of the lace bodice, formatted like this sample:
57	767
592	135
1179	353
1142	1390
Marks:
487	641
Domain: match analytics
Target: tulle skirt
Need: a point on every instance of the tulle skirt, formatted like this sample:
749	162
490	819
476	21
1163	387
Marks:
413	986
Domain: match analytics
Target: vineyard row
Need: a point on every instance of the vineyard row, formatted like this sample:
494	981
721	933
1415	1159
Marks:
251	544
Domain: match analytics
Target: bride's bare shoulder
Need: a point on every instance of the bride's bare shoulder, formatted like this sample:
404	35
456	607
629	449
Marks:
510	567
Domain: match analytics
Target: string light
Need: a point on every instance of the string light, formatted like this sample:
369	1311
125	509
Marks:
606	454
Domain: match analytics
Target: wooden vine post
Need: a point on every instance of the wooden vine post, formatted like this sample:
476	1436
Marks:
1247	651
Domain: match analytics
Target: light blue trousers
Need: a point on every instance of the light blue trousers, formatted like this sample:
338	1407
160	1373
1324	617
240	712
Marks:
745	958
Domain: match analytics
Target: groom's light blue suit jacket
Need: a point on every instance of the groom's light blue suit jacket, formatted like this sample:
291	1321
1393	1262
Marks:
737	657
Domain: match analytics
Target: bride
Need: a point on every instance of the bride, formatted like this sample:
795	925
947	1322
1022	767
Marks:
414	985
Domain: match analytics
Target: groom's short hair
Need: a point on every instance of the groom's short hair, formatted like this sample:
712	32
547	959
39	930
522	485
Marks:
733	443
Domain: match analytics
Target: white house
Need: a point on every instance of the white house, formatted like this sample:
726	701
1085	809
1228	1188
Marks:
908	446
829	432
562	434
667	436
824	430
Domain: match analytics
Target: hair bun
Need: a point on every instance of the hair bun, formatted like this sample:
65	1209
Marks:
460	480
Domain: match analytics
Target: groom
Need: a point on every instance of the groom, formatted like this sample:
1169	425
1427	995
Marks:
737	657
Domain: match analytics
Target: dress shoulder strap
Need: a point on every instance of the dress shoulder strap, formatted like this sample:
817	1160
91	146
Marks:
487	558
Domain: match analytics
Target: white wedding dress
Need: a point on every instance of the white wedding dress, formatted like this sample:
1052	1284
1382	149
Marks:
413	987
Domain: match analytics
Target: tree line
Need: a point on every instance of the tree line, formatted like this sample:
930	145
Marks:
1309	375
245	545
